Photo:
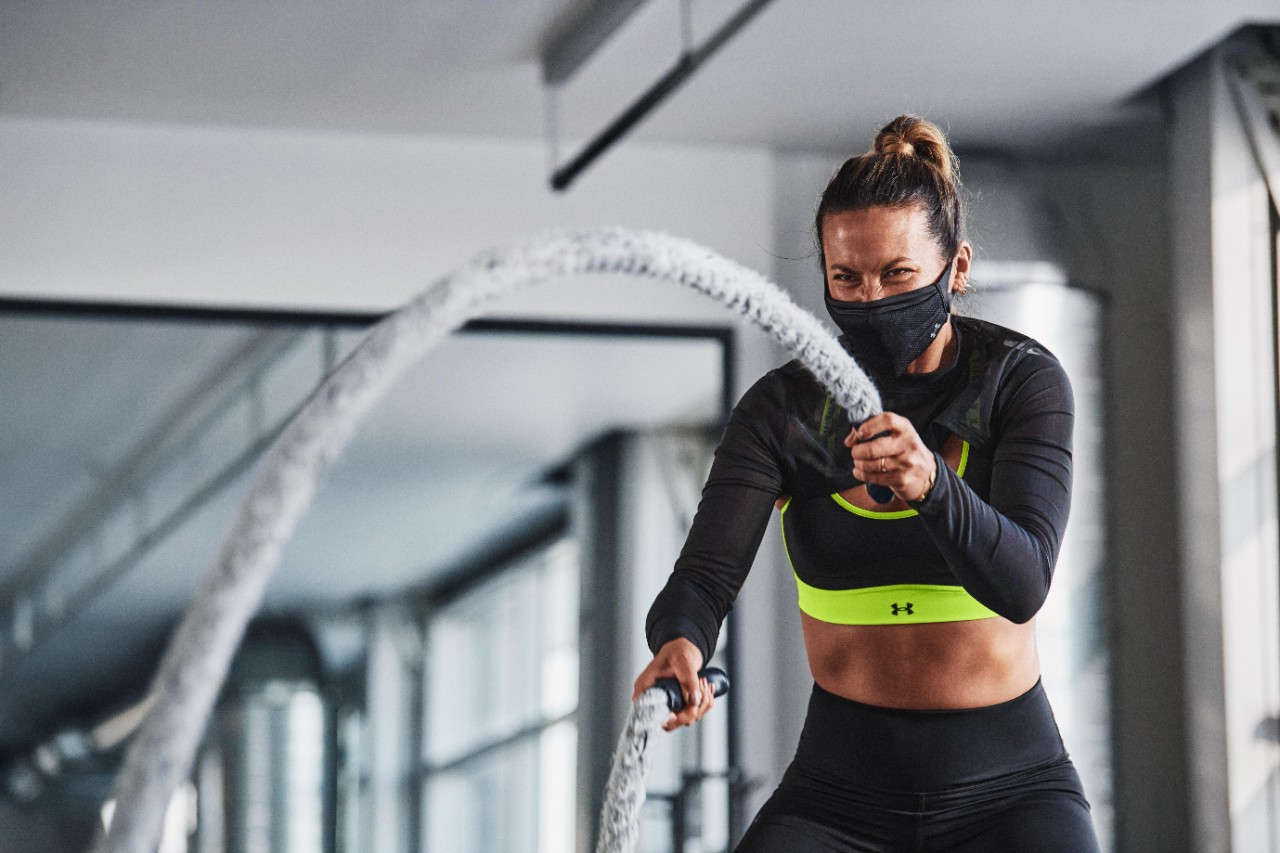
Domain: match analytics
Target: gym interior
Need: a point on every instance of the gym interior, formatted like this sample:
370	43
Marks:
205	209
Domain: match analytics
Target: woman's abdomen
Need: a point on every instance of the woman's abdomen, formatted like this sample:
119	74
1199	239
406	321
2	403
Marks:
933	666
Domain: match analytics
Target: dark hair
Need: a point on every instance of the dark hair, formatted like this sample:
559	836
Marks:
909	163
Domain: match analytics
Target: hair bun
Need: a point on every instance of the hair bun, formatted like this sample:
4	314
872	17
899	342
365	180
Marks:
909	163
912	136
895	145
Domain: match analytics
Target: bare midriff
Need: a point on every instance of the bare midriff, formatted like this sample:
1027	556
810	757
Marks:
933	666
929	666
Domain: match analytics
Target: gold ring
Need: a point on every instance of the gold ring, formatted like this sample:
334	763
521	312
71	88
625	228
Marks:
881	464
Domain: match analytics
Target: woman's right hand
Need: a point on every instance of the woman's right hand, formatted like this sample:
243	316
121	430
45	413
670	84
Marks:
681	660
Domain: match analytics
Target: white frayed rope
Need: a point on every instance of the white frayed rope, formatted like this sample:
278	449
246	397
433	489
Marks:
624	792
196	662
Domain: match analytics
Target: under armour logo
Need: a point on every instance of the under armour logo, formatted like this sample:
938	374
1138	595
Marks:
904	608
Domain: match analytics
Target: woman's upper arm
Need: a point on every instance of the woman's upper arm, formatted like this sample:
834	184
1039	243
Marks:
1003	549
737	502
1031	465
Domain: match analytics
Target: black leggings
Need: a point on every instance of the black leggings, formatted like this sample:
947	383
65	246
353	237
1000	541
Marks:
881	780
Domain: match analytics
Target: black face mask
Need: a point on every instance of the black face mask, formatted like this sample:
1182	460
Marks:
886	335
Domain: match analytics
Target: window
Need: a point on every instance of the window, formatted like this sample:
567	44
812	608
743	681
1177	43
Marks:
688	805
500	711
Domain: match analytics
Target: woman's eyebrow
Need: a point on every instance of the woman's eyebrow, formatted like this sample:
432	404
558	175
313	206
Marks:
899	260
902	259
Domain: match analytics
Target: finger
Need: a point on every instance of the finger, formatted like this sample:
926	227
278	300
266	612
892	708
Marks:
646	679
692	708
691	688
694	712
708	698
692	691
875	472
876	448
870	428
879	466
686	716
872	469
884	443
880	426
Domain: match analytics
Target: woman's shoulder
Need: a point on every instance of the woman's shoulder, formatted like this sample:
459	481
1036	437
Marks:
998	339
786	397
1009	375
783	386
1011	353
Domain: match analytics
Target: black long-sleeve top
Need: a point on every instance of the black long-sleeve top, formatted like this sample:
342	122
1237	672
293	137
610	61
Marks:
998	528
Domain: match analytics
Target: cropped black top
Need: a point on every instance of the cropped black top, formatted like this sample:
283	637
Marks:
994	532
894	577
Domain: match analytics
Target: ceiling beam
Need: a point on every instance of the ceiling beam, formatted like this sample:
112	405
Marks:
583	36
689	62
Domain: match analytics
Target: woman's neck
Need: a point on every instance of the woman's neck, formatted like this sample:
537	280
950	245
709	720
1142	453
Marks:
939	354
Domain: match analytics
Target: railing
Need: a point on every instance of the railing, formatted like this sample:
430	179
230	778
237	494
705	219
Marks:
194	451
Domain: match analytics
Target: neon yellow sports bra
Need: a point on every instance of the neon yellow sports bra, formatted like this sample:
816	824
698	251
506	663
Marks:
855	566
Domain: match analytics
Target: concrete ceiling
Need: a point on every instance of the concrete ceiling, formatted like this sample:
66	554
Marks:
806	74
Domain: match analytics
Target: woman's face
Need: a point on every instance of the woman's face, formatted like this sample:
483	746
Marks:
883	251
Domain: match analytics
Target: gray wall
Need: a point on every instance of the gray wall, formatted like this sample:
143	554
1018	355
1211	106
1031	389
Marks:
1114	223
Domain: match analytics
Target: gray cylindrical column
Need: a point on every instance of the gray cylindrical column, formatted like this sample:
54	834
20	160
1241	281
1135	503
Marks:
1072	626
268	737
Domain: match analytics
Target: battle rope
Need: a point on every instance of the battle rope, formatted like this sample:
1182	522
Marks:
195	664
624	793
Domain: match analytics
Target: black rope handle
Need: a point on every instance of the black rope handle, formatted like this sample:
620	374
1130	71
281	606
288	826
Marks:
675	697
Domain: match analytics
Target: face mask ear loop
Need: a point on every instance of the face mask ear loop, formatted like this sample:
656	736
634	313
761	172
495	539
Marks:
944	285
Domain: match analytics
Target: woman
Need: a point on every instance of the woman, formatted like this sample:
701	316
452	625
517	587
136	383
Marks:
923	541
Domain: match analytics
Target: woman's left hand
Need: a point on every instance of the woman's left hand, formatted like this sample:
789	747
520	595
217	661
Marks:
887	451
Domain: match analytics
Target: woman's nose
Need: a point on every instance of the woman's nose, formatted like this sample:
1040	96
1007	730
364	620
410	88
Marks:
864	292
